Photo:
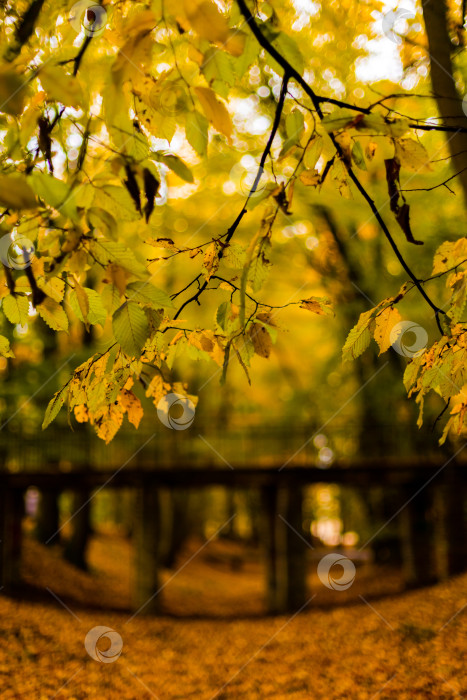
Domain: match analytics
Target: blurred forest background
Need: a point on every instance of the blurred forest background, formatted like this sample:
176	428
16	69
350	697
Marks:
215	561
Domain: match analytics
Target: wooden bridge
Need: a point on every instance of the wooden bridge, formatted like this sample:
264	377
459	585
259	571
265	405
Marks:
423	486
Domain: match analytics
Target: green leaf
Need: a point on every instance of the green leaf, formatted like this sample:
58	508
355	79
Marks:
177	165
411	371
249	56
313	152
459	299
96	313
54	406
107	252
359	337
12	91
55	193
117	201
131	328
5	350
338	119
294	125
196	130
287	47
234	256
218	65
259	268
15	308
102	220
111	298
221	314
146	293
358	157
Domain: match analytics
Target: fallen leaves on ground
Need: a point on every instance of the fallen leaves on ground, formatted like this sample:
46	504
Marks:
409	645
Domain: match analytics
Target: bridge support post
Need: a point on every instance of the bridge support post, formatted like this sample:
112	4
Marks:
456	524
146	596
11	514
285	550
418	536
451	530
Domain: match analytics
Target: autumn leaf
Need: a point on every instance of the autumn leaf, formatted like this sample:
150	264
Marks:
53	314
310	178
412	155
215	111
384	323
15	308
320	306
261	340
130	327
16	193
54	406
131	405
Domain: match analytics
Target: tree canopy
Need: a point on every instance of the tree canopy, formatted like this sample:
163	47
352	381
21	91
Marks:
159	158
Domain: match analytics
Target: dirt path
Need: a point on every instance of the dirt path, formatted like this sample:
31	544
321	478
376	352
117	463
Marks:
402	646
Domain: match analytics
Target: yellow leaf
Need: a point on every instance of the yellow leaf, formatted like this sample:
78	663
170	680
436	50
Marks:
12	92
54	287
261	340
137	51
310	177
412	155
384	323
322	306
108	422
81	414
215	111
211	260
15	193
157	389
340	176
53	314
131	405
61	87
207	21
208	342
118	277
141	23
83	301
235	42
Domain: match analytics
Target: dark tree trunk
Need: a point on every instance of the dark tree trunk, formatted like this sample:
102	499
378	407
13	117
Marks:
48	523
285	551
146	597
75	549
11	514
448	99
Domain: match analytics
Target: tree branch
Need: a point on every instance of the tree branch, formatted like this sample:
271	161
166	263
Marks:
254	187
288	68
25	28
317	100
